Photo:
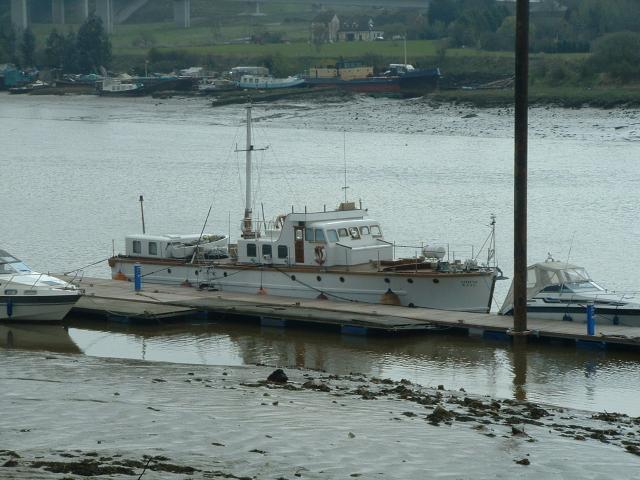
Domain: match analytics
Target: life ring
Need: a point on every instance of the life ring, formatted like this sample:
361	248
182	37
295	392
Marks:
321	255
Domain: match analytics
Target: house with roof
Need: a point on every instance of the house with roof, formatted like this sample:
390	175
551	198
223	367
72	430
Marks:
327	27
358	29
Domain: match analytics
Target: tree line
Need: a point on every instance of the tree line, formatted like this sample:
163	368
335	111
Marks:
82	52
608	29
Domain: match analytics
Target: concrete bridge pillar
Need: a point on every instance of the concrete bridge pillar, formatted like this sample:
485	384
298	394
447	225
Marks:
84	9
20	14
57	12
104	10
182	13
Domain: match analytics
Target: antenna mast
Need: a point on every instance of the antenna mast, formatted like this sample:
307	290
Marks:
344	156
405	48
144	230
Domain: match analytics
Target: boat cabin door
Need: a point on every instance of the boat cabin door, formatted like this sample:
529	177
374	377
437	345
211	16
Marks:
298	233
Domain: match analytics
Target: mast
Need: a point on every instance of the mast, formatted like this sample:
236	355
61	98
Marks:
247	230
405	49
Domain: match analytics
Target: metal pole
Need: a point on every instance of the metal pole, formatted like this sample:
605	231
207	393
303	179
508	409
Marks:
520	169
142	213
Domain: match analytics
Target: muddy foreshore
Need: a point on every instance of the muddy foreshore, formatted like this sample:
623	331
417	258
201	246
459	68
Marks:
75	416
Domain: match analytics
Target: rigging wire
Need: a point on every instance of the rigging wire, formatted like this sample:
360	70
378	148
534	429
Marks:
284	176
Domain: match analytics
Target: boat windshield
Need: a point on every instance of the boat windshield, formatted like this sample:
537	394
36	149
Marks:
10	264
578	287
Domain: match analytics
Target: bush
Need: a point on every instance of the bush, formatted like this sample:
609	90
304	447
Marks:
618	55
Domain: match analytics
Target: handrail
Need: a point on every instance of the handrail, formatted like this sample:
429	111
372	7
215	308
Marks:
383	241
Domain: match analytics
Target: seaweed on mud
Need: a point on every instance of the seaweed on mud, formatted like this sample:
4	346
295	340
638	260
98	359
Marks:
85	468
440	414
171	468
609	417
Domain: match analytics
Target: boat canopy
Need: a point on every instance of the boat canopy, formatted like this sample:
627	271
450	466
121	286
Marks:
544	274
11	265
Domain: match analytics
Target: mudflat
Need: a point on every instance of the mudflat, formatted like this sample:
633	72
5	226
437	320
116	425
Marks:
73	416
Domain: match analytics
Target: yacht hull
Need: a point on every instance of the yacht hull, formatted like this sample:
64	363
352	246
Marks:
468	291
40	308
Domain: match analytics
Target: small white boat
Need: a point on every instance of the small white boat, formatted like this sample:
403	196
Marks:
268	83
115	87
562	291
26	295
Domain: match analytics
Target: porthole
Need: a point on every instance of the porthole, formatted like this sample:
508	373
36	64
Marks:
168	270
435	280
341	279
319	278
386	280
225	274
409	280
293	277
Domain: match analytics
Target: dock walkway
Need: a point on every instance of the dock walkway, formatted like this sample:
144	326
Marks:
159	303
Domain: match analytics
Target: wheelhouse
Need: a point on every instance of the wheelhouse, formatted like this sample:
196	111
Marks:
337	238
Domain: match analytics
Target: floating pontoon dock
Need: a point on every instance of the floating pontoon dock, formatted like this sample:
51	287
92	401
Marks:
117	300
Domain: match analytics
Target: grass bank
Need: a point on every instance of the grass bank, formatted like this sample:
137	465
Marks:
568	97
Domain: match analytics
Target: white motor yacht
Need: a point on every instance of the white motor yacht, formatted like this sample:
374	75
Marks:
562	291
26	295
339	255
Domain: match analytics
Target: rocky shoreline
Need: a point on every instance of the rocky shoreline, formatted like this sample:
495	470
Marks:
73	416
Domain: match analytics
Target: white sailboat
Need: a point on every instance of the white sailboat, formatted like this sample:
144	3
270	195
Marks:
339	255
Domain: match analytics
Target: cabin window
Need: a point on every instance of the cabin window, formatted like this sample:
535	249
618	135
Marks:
11	292
251	249
282	251
320	236
298	234
364	230
375	231
552	288
266	250
342	232
153	248
30	292
137	246
354	232
333	235
308	234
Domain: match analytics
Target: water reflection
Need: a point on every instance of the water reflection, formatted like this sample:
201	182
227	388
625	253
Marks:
52	338
565	376
519	355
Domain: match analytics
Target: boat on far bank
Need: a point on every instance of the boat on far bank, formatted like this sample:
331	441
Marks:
37	85
562	291
26	295
117	87
259	82
356	77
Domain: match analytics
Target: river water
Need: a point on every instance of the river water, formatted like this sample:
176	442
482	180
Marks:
72	169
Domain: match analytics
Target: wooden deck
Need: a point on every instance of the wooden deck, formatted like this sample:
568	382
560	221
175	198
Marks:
159	303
